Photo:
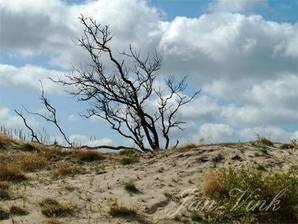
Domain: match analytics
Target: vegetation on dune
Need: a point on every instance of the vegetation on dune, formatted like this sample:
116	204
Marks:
20	160
67	169
11	172
126	160
262	141
4	215
52	208
117	210
87	155
272	198
131	187
4	191
18	211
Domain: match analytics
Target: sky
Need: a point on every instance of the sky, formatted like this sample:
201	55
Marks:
242	54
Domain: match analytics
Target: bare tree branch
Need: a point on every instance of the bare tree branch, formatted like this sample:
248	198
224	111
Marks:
33	135
52	116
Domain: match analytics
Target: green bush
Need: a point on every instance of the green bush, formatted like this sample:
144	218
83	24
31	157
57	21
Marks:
246	196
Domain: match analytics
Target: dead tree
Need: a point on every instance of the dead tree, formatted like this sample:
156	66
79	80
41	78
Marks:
122	95
34	137
49	116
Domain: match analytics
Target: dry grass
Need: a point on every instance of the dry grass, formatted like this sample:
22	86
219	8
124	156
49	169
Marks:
67	169
264	189
122	212
4	185
54	154
11	172
4	193
87	155
4	140
18	211
131	187
128	152
264	141
29	147
187	147
31	162
52	208
130	214
286	146
126	160
213	184
4	215
51	221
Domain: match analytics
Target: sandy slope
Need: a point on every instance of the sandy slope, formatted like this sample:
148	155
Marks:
167	173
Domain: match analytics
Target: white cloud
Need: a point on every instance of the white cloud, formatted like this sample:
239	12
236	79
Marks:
11	123
235	5
72	117
29	75
227	46
279	93
8	120
84	140
213	46
43	25
274	133
215	132
203	107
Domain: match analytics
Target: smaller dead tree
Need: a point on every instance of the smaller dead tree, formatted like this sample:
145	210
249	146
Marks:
34	137
126	94
50	116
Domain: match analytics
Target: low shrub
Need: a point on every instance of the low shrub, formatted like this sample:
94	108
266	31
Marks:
28	147
4	215
128	152
130	187
31	162
286	146
4	194
87	155
264	141
122	211
4	140
18	211
52	208
11	172
126	160
246	194
51	221
67	169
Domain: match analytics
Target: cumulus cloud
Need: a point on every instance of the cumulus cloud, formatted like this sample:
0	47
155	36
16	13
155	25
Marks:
275	133
8	120
30	76
227	46
13	124
43	25
53	27
236	5
212	46
212	133
84	140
